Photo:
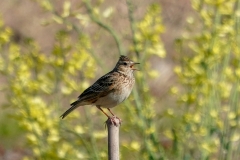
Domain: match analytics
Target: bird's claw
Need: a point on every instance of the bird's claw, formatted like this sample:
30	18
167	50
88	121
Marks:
120	121
112	119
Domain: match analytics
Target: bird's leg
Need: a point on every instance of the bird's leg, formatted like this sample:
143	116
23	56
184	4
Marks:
103	111
111	119
111	112
120	121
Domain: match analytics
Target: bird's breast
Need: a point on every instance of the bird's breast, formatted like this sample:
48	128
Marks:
120	93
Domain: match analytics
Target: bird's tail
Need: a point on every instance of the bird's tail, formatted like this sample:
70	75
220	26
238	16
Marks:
74	105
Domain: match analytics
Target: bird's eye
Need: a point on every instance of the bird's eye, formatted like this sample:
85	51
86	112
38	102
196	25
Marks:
125	63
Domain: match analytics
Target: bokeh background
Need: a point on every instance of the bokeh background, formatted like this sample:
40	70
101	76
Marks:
185	104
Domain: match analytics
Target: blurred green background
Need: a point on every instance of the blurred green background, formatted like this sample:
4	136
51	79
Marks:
185	104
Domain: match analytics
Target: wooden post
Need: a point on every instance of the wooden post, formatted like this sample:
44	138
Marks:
113	139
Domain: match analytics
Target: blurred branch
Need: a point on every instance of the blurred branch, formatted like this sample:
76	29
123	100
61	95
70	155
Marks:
104	26
86	145
78	30
92	139
141	103
132	25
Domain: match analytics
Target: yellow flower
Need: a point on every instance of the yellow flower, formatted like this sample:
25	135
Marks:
135	145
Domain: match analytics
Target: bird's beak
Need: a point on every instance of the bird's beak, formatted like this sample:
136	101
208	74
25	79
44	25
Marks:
133	65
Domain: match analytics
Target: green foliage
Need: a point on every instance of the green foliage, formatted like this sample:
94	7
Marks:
204	123
210	79
39	84
148	31
146	42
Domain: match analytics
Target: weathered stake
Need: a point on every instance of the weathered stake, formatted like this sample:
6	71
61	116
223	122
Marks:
113	139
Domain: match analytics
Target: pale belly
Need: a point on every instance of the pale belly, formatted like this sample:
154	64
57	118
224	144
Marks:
112	99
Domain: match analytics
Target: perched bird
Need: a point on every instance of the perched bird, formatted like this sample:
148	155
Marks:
109	90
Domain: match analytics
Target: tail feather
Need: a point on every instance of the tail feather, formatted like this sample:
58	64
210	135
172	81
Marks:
74	105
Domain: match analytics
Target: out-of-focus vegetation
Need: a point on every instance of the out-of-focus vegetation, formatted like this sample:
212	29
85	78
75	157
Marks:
37	85
209	77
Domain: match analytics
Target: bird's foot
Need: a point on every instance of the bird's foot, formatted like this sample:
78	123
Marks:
113	120
120	121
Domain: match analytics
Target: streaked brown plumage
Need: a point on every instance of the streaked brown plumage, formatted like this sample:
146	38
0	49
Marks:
109	90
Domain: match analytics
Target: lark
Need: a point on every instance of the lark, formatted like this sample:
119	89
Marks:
109	90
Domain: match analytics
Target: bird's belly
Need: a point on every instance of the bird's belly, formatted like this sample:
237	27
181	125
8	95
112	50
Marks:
112	99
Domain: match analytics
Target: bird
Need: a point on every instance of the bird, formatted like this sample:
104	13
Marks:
109	90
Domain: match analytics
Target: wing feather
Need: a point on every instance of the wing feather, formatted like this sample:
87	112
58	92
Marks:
100	88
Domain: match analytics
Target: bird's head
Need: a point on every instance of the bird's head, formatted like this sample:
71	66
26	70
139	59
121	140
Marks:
125	65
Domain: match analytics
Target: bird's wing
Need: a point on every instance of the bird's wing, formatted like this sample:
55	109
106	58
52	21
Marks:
102	87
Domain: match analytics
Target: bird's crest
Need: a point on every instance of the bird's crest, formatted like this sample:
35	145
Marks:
124	58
